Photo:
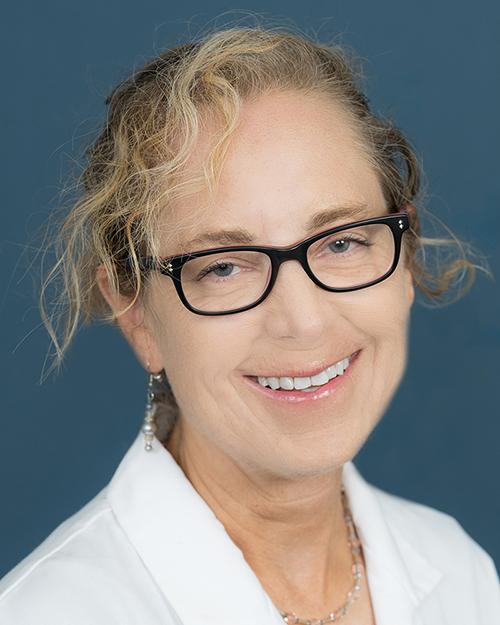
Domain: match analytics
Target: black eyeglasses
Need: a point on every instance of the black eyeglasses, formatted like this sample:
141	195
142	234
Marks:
228	280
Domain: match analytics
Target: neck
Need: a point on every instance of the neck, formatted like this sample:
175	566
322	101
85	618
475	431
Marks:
292	533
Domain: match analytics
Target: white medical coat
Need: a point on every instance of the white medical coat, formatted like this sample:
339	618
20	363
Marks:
148	550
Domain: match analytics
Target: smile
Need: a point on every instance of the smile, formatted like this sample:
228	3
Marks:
299	389
289	383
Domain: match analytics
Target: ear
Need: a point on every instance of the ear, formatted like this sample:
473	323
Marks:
131	323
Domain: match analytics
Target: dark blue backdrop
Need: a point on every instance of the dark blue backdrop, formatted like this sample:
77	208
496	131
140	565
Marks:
434	67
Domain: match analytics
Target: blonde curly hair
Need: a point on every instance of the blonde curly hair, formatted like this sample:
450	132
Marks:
133	169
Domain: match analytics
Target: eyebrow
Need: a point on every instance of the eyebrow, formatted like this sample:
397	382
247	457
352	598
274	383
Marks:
350	212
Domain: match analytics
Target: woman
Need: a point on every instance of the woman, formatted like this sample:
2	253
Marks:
239	502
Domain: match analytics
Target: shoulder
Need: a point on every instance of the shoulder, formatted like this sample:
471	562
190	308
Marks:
70	576
430	528
440	538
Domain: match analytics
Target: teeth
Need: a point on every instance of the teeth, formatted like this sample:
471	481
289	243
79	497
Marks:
288	383
320	378
274	383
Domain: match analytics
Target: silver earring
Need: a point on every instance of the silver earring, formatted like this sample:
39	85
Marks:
149	425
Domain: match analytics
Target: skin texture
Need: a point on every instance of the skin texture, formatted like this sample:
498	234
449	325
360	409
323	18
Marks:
272	474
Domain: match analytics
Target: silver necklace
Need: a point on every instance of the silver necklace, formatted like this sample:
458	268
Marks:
355	544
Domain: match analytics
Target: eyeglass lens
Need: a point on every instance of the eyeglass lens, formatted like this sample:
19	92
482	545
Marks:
225	281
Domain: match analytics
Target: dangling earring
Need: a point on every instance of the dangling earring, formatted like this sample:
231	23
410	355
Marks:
149	425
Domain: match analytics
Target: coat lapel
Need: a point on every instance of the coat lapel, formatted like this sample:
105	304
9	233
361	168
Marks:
187	550
205	576
399	576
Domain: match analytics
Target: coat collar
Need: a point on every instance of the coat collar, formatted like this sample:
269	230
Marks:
399	575
205	576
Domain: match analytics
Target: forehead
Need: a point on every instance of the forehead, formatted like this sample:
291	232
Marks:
291	156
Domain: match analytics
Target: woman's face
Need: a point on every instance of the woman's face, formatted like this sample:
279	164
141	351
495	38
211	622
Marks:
292	156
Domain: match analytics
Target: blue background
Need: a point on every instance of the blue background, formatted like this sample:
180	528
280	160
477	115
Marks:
433	67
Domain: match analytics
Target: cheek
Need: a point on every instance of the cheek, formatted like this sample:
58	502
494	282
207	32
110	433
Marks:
203	357
387	309
386	322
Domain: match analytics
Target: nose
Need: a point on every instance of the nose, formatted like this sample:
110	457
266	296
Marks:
297	301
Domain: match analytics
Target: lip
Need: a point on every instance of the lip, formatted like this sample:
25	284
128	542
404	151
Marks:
303	373
322	392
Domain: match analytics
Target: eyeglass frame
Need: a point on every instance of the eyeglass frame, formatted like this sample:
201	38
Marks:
398	223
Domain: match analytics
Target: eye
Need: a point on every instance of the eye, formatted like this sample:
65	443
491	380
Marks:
219	265
345	243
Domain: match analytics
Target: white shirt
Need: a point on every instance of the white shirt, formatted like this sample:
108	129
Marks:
148	550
